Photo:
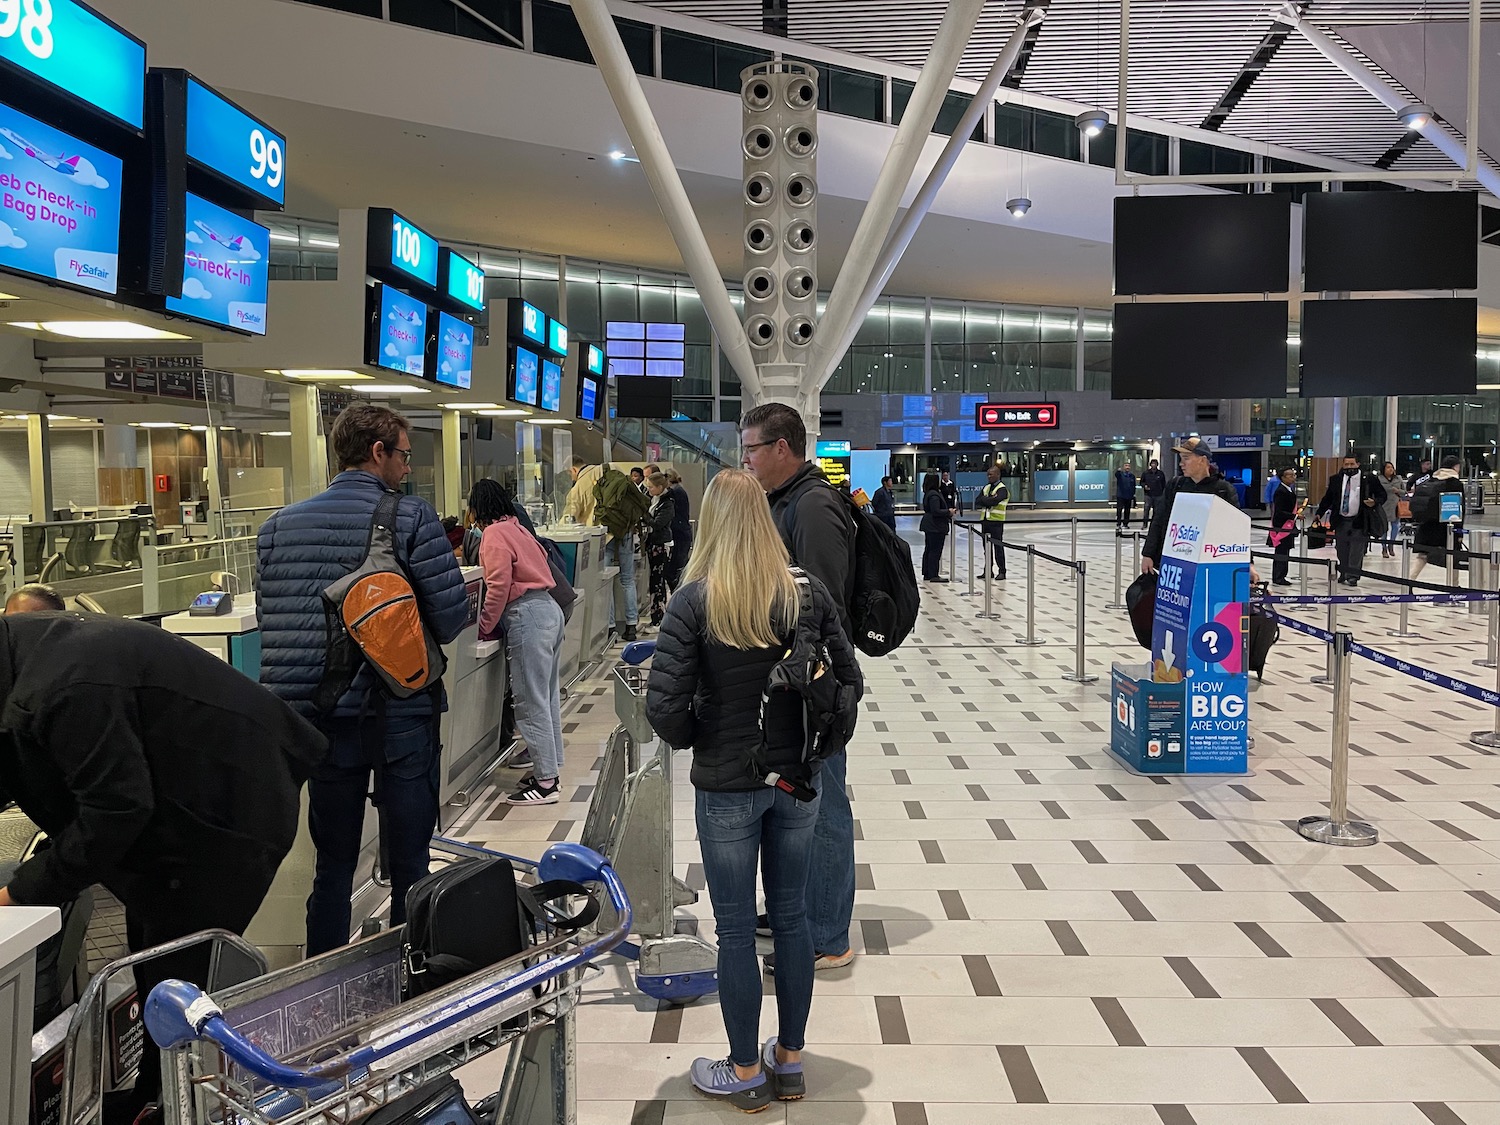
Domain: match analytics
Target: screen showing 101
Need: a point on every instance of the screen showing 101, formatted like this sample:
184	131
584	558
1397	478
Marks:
60	218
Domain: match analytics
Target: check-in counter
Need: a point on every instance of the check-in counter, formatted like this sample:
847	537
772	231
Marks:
582	549
475	683
22	929
233	637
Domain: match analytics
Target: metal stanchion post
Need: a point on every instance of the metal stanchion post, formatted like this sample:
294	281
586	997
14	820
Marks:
1074	555
1455	544
1030	638
952	551
1118	603
1328	676
1079	675
1479	571
1404	630
1302	538
1336	827
970	529
1490	738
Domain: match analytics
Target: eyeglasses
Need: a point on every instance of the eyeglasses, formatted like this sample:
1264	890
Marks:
751	445
404	454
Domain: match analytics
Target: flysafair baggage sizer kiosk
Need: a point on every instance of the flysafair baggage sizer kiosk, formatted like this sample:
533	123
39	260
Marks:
1188	712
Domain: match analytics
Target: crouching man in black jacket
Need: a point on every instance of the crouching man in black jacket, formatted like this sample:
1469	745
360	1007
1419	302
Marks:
155	769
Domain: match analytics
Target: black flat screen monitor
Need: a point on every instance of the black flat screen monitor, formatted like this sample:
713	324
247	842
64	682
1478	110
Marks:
1414	346
1381	240
1203	244
643	396
1201	349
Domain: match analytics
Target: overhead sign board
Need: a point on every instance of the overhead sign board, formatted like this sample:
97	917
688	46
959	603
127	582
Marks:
222	138
59	204
226	269
1016	416
401	252
76	50
463	281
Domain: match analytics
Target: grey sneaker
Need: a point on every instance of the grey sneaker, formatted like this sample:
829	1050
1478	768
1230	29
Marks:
717	1079
786	1078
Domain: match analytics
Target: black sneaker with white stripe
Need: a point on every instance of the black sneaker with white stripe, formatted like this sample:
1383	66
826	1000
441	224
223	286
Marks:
533	792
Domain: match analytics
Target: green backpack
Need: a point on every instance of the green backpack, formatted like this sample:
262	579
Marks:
619	506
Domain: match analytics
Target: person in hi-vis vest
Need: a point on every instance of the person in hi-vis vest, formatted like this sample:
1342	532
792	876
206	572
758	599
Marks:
993	498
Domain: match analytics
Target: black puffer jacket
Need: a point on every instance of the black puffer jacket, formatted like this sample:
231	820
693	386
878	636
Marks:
707	695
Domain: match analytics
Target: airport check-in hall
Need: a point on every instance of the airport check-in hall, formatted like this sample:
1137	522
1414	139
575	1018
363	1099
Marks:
626	562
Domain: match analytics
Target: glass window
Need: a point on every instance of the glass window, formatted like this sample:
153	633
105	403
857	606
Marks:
1145	153
1013	126
357	7
1055	134
729	410
687	58
1298	192
851	92
539	284
1489	225
952	110
730	59
640	44
1097	335
698	409
901	91
948	349
1197	159
584	321
439	15
555	32
1059	350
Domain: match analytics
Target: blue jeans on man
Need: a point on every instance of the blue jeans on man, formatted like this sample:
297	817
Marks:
734	831
406	793
830	878
621	553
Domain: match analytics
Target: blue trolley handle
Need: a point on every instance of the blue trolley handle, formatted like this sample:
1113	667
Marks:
178	1013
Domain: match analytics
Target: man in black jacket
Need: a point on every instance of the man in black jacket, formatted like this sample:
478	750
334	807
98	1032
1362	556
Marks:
884	503
1350	501
1196	477
1153	484
818	530
682	529
155	769
951	498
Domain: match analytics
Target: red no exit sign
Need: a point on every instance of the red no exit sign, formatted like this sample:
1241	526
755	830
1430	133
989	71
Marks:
1016	416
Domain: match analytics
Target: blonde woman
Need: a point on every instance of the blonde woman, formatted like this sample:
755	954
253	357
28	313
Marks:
724	631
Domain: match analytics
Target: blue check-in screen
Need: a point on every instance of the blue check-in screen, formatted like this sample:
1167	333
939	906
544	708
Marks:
225	139
526	377
401	333
551	386
59	205
226	269
75	49
455	352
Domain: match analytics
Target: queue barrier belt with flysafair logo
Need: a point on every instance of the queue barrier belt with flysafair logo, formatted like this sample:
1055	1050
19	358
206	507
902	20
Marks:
1187	712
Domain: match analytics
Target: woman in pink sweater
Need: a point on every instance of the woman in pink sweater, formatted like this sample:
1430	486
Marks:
519	609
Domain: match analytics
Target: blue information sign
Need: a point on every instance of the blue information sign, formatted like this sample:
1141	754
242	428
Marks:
551	386
60	218
455	352
557	337
595	358
72	47
226	273
400	335
588	399
401	251
463	281
223	138
524	377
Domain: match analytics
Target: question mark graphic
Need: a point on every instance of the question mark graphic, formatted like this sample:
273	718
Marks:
1213	643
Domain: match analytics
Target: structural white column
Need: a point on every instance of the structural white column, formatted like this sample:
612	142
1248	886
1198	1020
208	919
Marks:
1330	423
214	463
869	241
450	464
309	456
1392	427
39	450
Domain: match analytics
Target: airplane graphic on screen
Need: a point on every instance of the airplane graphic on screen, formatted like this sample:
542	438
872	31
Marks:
235	245
411	317
64	165
456	336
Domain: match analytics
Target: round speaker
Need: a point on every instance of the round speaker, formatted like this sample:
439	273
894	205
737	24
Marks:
760	189
800	236
760	236
760	284
761	330
799	331
800	140
757	93
759	142
800	190
801	93
799	283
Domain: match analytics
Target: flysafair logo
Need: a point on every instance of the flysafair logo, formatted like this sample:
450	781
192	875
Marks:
88	269
1182	535
1220	550
244	317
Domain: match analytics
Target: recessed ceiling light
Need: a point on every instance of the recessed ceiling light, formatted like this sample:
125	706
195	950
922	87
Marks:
388	389
276	433
100	329
507	413
313	374
471	406
155	425
548	421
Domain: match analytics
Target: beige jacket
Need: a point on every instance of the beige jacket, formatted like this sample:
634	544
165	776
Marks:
580	501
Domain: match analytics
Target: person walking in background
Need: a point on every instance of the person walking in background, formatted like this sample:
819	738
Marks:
1153	484
1283	524
682	528
619	541
1434	535
937	518
1390	510
993	499
951	497
724	632
1350	504
658	534
519	610
1124	497
884	503
1424	470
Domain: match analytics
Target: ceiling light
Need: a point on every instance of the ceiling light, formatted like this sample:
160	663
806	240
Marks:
508	413
199	429
330	243
313	374
276	433
100	330
278	236
1416	116
617	155
548	421
61	418
388	389
8	297
155	425
1091	122
1018	206
471	406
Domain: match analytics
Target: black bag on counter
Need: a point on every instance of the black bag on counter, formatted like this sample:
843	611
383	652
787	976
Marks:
1140	605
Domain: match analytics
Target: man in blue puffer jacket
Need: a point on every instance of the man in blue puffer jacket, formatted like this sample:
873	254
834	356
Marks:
301	550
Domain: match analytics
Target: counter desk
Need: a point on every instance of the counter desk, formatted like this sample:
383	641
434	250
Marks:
582	548
22	929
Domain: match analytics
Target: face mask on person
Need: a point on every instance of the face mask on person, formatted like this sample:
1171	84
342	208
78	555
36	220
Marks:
1350	472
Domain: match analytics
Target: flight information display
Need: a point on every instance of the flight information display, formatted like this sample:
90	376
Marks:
226	271
588	399
551	386
60	219
72	47
398	332
646	348
226	140
454	362
523	377
524	321
557	337
594	359
463	281
399	251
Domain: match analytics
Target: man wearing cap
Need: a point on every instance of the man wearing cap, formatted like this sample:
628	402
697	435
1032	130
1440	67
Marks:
1196	477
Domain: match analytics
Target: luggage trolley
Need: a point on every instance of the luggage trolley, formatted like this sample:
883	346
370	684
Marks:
630	820
329	1040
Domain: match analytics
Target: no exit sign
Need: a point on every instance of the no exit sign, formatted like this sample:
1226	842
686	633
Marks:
1016	416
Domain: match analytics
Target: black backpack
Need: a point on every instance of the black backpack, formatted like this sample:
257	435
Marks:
884	597
829	708
1426	507
473	914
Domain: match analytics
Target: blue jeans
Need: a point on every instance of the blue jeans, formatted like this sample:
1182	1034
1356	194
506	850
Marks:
734	830
533	626
621	553
407	795
830	880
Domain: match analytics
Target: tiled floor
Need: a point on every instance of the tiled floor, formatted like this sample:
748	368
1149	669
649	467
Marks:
1048	940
